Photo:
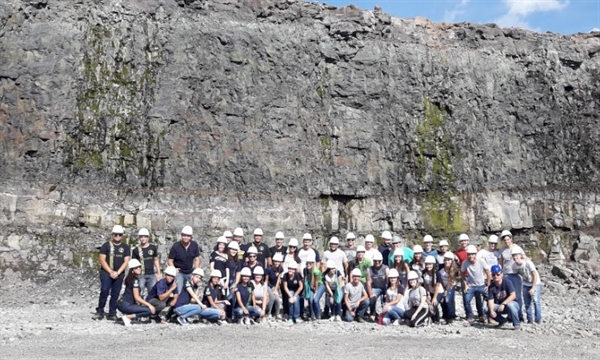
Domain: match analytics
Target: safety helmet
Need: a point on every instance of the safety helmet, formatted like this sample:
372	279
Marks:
187	230
117	229
252	250
463	237
496	269
279	235
505	233
361	248
143	232
427	238
350	235
444	243
398	252
369	238
259	271
493	239
396	240
198	271
412	275
334	240
430	260
258	232
293	242
134	263
393	273
292	265
386	235
227	234
330	264
246	272
215	273
171	270
516	251
234	245
307	236
221	239
356	272
449	255
417	249
277	257
238	232
471	249
378	256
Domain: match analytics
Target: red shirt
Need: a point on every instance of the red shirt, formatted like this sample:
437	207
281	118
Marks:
461	254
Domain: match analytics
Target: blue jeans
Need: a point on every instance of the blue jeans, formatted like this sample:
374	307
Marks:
133	309
185	311
447	303
511	309
518	283
315	302
335	309
479	293
210	314
537	303
146	282
360	310
253	312
379	293
181	279
112	287
395	313
294	308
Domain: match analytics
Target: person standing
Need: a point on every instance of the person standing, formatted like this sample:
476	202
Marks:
445	279
461	252
185	257
293	287
386	237
532	286
147	255
428	247
114	258
278	248
370	249
361	263
476	279
507	262
306	251
263	253
336	255
350	248
443	249
501	300
490	255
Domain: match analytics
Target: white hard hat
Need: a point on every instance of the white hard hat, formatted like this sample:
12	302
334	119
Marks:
279	235
396	240
361	248
449	255
377	256
252	250
430	260
292	265
258	232
246	272
143	232
412	275
198	271
293	242
170	270
187	230
393	273
117	229
369	238
427	238
311	257
215	273
398	252
307	236
516	251
350	235
234	245
505	233
471	249
386	235
330	264
493	239
444	243
238	232
222	239
356	272
133	263
334	240
259	271
277	257
417	249
227	234
463	237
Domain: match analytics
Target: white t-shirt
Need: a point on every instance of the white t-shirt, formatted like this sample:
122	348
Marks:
339	257
415	295
526	271
369	254
491	258
475	272
303	255
354	292
507	266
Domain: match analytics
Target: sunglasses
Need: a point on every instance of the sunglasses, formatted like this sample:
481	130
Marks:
117	235
251	256
294	247
497	274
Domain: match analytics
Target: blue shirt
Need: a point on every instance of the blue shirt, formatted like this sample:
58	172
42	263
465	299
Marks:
293	283
433	253
159	288
183	259
128	293
245	292
500	292
184	296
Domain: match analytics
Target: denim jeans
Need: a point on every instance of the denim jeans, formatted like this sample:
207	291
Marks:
146	284
395	313
536	309
517	281
133	309
447	304
253	312
294	308
511	309
108	286
379	293
360	310
315	302
210	314
335	309
479	293
185	311
181	279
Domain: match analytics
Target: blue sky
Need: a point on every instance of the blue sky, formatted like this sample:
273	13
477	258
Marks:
560	16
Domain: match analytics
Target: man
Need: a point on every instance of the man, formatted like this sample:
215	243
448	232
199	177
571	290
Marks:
356	298
278	248
185	257
490	256
161	292
376	284
507	262
428	247
238	236
443	249
147	255
185	308
476	281
501	299
114	257
461	252
350	248
361	263
228	236
306	250
388	255
386	237
263	253
532	286
337	255
370	249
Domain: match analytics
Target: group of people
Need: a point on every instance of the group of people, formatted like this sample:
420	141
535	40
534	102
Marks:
252	282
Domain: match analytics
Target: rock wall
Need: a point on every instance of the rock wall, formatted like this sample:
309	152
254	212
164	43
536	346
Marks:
290	116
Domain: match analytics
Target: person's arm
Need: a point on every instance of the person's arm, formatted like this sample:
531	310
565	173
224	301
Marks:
364	297
138	299
157	267
534	280
369	284
345	267
300	288
265	301
348	304
238	296
501	260
422	304
436	291
278	285
285	288
195	297
491	306
253	297
165	296
488	276
104	264
124	266
196	262
170	262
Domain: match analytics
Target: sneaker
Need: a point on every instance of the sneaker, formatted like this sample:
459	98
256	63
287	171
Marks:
181	320
126	320
240	321
482	319
470	320
331	318
396	322
360	319
290	321
98	317
500	324
278	317
219	322
313	318
338	318
517	327
252	322
372	318
299	321
112	318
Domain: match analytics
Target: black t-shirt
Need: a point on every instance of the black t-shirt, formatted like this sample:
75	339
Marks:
220	262
293	283
119	253
183	259
273	275
149	253
128	293
274	250
245	292
263	252
500	292
184	296
212	292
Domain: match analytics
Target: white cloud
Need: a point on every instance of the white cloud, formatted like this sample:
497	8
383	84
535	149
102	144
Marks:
458	9
594	29
519	10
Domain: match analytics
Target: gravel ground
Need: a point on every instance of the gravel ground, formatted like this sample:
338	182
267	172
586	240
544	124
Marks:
54	321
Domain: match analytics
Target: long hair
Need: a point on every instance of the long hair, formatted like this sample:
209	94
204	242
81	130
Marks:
452	273
131	276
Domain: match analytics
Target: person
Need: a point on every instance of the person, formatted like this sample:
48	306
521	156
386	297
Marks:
337	255
428	244
386	238
417	301
189	304
131	304
313	288
408	253
292	254
273	279
238	236
443	249
114	258
233	266
490	256
260	294
306	250
430	284
163	292
376	284
388	256
361	263
532	285
213	295
446	277
393	311
418	263
461	252
356	298
293	287
251	259
185	257
370	250
278	248
263	253
228	236
476	281
501	299
350	248
218	260
506	261
333	281
147	255
245	309
401	266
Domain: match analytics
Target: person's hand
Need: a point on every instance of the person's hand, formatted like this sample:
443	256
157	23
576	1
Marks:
158	277
466	288
532	292
174	285
501	306
331	300
246	312
445	293
226	302
352	313
414	316
173	302
262	313
293	300
152	309
385	309
492	313
114	274
434	302
372	297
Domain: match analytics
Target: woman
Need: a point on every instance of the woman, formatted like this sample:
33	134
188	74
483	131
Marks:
188	303
392	312
245	310
213	295
273	280
429	279
132	304
260	294
334	282
218	258
445	279
233	266
292	287
313	287
401	266
418	265
290	257
417	301
252	256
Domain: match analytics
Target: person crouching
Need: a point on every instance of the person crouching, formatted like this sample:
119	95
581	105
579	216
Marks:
132	304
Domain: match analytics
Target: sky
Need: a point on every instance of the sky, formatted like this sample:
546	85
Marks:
558	16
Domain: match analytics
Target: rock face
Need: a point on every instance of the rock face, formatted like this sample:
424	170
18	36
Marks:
289	116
